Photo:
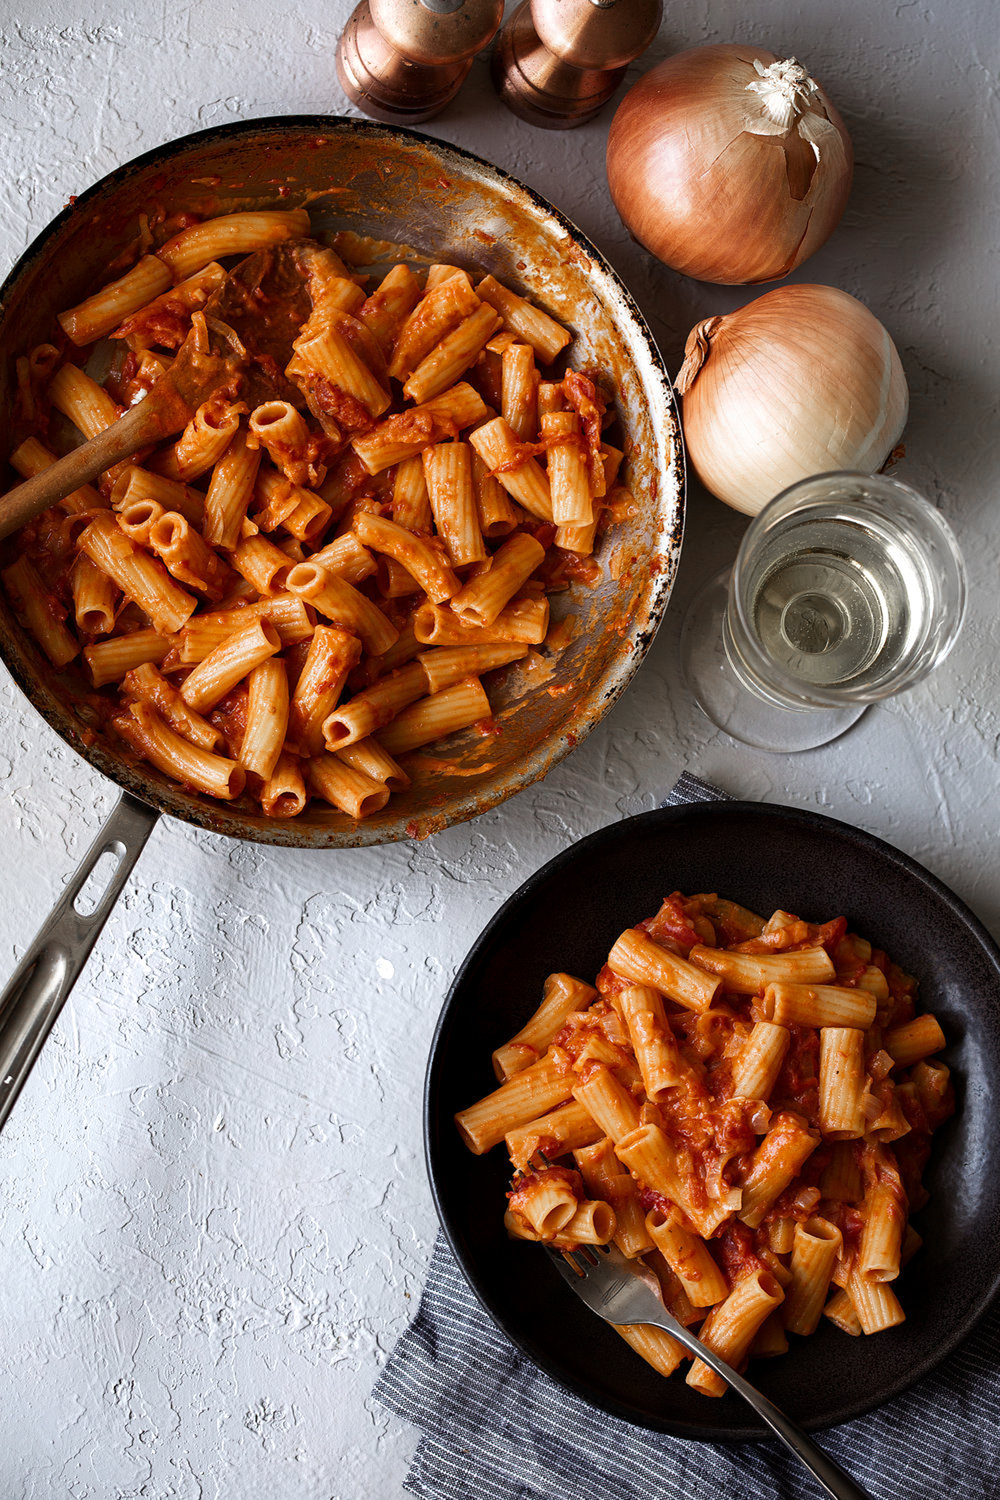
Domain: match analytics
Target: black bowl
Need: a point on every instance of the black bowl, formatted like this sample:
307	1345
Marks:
566	917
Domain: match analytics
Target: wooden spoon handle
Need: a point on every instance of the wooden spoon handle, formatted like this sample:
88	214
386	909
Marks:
146	422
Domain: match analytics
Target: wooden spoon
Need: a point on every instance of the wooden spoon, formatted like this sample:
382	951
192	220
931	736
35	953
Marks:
251	322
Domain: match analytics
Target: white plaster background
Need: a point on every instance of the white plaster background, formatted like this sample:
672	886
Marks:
214	1221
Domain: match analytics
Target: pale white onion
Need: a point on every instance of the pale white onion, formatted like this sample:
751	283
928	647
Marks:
729	164
802	381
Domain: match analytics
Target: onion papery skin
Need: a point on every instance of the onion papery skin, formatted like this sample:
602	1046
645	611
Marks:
802	381
699	183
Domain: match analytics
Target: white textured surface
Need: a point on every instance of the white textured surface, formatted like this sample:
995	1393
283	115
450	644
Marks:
214	1213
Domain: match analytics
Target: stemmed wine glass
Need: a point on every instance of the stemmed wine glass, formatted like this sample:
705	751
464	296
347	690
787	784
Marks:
847	588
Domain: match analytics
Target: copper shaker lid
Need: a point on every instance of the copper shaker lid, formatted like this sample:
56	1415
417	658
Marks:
596	34
437	31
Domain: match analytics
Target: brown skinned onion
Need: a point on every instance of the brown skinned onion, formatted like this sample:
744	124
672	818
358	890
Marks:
802	381
728	164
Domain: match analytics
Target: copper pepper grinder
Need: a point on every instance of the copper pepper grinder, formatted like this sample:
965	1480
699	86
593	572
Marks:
403	60
556	62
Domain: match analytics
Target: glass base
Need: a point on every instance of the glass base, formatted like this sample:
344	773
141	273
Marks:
729	703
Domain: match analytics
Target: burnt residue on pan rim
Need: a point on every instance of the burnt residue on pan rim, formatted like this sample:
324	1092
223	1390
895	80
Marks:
145	783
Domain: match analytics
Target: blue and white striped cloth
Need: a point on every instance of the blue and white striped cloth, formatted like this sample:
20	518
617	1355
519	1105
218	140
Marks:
494	1427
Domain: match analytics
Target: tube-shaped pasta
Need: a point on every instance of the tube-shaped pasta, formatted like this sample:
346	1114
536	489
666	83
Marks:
636	957
345	558
230	234
87	405
411	506
519	391
141	578
483	598
96	316
108	661
448	472
875	1303
610	1105
818	1005
882	1237
136	519
342	604
914	1040
815	1248
283	431
689	1258
746	973
135	483
371	759
440	309
544	334
730	1327
450	358
262	564
203	633
841	1082
545	1199
231	661
553	1134
787	1145
410	432
653	1042
331	656
345	788
230	490
176	757
24	587
758	1064
422	556
521	475
332	356
522	1098
148	685
386	310
457	707
594	1223
283	795
266	717
165	321
496	510
840	1311
562	995
288	504
375	707
649	1156
201	445
187	555
94	598
524	619
447	664
568	470
32	457
605	1177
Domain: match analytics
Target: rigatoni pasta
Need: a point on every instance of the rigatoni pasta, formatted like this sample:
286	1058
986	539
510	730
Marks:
745	1159
312	577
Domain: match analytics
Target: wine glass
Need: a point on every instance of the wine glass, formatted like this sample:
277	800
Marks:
847	588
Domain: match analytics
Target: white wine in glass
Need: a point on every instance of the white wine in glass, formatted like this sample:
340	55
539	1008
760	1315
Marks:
847	588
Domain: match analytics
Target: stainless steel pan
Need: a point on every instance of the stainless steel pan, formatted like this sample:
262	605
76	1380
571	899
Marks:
436	202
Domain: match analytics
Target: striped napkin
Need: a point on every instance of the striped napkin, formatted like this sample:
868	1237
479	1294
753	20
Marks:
494	1427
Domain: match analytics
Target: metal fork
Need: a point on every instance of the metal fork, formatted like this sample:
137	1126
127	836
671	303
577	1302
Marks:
621	1292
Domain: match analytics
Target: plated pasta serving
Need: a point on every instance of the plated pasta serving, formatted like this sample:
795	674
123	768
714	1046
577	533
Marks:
745	1105
365	518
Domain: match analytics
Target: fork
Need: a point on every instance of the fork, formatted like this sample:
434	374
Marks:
623	1293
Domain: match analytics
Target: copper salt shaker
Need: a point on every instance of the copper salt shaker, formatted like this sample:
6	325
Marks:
403	60
556	62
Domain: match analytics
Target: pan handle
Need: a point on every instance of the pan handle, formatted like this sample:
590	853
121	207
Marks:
43	979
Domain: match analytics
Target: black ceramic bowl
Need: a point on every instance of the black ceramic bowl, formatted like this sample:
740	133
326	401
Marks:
566	917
